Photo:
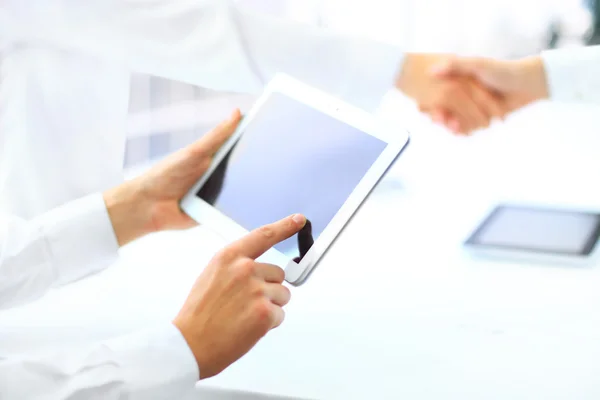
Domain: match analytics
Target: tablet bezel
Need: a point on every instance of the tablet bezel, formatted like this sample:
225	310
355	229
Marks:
396	140
589	254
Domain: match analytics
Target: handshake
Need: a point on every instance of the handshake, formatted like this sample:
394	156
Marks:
466	94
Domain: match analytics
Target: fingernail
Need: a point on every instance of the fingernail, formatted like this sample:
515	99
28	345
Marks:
235	114
299	219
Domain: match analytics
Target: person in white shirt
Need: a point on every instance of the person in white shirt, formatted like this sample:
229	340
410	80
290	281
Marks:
65	70
232	305
566	75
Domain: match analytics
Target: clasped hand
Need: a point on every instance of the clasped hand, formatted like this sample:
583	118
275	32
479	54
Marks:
466	94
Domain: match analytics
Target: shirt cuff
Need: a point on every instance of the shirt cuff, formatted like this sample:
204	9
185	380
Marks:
80	238
156	364
572	74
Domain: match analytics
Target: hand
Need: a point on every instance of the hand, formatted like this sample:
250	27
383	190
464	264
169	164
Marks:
236	300
518	82
150	202
469	103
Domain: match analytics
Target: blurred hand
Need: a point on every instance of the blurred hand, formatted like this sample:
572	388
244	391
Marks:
463	98
236	300
518	82
150	202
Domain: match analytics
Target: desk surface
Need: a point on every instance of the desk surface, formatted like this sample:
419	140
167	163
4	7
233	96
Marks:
396	309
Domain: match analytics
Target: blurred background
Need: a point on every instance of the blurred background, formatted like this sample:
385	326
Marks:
166	115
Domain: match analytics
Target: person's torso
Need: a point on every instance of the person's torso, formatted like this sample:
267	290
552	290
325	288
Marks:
62	127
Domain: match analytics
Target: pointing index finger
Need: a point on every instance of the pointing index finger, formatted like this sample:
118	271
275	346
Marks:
257	242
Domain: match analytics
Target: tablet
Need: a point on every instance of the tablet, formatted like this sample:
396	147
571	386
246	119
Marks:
298	150
544	234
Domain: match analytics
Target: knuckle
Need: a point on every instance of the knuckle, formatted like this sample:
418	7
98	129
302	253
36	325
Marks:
263	311
266	231
197	150
281	318
258	290
286	294
273	272
223	255
289	223
245	268
279	274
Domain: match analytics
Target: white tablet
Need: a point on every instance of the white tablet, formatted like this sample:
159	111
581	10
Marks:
538	234
298	150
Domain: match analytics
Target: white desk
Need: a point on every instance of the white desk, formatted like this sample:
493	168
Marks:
395	310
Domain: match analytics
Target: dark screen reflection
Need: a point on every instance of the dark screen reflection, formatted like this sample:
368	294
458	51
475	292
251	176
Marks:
291	159
210	191
305	240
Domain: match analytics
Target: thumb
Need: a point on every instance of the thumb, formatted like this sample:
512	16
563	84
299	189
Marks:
212	141
457	66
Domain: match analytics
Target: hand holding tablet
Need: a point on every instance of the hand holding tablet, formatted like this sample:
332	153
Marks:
297	151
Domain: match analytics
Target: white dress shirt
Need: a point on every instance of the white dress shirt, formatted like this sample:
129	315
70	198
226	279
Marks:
573	74
64	86
65	79
58	247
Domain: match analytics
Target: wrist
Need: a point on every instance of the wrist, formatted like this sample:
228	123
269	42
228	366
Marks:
130	213
534	77
408	79
188	336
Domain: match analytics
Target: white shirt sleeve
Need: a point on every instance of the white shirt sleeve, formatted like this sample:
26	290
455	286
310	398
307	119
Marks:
209	43
58	247
573	74
63	245
152	365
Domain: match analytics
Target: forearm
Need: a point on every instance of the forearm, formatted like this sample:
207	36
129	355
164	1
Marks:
152	364
68	243
573	74
61	246
211	43
130	214
190	41
358	70
532	77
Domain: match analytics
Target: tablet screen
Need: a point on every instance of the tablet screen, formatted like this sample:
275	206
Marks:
291	159
541	230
